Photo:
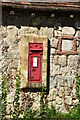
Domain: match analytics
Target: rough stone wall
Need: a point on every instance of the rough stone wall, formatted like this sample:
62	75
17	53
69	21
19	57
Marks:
62	67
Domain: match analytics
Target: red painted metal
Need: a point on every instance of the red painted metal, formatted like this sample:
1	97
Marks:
35	62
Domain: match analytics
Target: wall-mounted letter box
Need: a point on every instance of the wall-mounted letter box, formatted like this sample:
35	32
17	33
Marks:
35	62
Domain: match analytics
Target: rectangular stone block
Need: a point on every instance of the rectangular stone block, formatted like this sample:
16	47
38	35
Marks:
24	59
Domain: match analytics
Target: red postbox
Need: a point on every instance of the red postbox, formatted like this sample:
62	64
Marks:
35	62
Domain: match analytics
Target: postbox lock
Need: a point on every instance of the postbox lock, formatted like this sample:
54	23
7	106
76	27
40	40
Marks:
30	53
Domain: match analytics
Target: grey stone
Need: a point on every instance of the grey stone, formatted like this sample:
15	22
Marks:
67	45
73	60
77	24
68	31
55	59
62	60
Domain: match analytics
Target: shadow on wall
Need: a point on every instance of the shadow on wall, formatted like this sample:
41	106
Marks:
40	19
48	67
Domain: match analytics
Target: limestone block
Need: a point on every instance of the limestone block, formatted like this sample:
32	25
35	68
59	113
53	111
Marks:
68	31
67	45
68	100
52	51
57	107
55	59
53	82
73	60
3	32
52	97
62	60
27	30
12	30
56	69
9	108
54	43
59	100
70	81
62	108
66	70
10	97
36	105
75	102
47	31
53	91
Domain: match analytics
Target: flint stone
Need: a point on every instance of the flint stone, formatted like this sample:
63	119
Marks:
77	24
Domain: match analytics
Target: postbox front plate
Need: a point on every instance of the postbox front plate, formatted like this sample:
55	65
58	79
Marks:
35	62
